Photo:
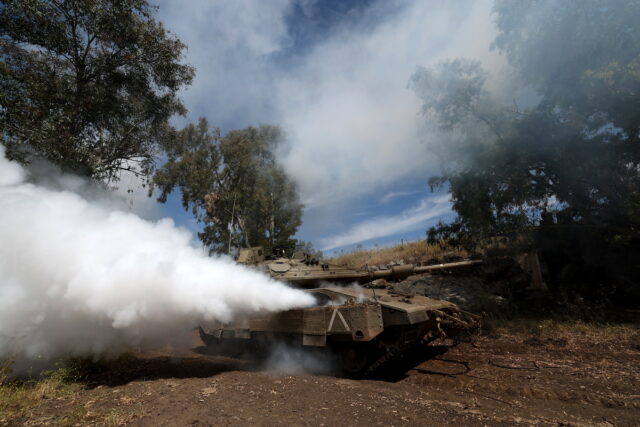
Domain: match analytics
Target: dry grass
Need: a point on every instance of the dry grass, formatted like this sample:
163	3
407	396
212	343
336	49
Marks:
603	334
411	252
20	399
116	417
17	397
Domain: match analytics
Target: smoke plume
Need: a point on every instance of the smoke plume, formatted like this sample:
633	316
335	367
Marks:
80	276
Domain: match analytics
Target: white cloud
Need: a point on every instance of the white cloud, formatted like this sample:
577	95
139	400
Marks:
229	43
409	220
395	194
352	122
354	128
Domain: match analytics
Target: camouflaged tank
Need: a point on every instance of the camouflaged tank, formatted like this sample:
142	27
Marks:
365	328
306	271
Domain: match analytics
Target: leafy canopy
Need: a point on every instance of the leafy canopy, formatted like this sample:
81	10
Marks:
232	185
87	84
558	152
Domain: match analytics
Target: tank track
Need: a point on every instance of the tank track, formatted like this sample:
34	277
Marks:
464	324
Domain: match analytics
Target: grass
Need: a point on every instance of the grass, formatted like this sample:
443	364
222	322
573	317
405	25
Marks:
410	252
116	417
19	396
547	321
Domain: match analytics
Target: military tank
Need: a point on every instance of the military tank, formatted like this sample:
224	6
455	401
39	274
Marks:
306	271
365	328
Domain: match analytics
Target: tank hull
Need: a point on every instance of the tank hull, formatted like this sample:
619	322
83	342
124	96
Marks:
366	328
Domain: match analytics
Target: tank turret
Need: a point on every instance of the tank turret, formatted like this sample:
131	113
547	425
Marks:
306	271
251	256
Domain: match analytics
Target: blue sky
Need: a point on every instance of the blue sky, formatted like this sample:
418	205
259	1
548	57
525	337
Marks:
333	74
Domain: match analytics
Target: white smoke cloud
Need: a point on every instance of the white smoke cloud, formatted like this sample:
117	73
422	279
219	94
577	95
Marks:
79	276
132	189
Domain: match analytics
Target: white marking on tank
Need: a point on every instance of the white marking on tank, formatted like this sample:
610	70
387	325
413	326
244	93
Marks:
333	317
344	322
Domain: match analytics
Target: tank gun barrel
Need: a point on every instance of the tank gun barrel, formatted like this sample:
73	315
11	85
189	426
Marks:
396	272
400	272
446	266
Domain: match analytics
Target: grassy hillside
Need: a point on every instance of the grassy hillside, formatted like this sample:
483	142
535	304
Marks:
410	252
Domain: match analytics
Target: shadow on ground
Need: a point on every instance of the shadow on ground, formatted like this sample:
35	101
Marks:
308	360
148	367
202	363
397	371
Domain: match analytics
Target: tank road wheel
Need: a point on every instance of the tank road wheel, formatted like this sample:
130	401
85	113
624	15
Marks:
354	359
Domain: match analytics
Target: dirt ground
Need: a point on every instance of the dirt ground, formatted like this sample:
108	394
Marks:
511	379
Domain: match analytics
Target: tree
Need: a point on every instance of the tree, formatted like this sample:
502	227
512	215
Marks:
87	84
566	167
308	248
232	185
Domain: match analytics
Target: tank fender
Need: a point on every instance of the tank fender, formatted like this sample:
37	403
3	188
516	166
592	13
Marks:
403	317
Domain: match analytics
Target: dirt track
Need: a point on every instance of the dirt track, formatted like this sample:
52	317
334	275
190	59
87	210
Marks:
507	380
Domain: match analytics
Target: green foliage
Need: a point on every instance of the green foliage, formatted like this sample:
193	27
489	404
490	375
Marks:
233	185
87	84
566	168
193	163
